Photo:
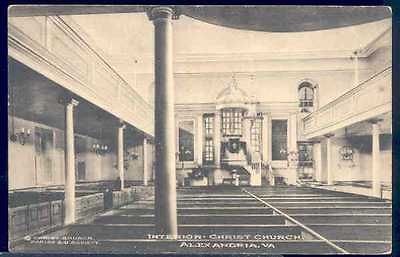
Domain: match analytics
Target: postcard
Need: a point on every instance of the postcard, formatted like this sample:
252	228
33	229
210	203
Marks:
200	129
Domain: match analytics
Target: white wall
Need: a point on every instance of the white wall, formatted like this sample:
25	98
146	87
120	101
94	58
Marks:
98	167
345	170
266	87
361	167
108	167
135	168
22	160
22	167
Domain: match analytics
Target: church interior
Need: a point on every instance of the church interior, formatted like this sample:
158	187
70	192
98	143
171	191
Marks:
199	129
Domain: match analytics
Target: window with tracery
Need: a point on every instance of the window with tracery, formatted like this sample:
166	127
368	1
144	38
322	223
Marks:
306	96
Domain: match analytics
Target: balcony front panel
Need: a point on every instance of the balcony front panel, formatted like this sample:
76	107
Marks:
58	49
369	99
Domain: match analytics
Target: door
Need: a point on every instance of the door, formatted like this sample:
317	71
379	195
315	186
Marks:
81	171
44	153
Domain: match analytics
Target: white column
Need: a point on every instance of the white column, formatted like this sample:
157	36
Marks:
292	132
316	98
317	156
265	138
69	197
199	141
165	179
120	154
329	159
246	136
145	162
376	178
217	138
356	70
269	138
292	147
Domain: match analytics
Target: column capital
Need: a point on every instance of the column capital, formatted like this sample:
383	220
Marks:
355	54
163	12
329	135
375	121
66	100
122	124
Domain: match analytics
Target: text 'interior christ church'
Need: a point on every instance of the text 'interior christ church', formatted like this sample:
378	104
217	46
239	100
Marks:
138	122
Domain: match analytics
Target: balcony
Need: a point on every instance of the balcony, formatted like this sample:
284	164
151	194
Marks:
57	48
367	100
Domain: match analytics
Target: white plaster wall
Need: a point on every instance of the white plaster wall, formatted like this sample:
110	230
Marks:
386	166
324	164
22	172
108	167
345	170
58	162
21	165
93	165
21	160
362	168
150	161
267	87
135	168
380	59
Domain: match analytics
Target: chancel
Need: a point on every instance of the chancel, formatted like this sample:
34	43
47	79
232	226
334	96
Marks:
200	129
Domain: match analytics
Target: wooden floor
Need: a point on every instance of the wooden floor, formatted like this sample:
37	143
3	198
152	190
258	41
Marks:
231	219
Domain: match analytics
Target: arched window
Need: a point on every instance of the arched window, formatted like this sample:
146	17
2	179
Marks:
306	92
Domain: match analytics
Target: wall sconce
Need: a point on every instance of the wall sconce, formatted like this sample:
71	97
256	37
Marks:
99	149
21	136
346	152
283	152
130	156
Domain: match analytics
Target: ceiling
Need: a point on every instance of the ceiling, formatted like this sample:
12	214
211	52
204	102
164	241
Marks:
258	18
135	38
296	18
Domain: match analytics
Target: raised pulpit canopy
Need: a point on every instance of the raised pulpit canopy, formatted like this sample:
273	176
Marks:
232	97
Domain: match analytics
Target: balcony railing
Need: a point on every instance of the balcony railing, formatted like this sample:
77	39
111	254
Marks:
367	100
57	48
